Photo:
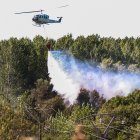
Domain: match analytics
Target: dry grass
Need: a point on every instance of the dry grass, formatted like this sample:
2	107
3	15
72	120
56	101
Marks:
27	138
79	134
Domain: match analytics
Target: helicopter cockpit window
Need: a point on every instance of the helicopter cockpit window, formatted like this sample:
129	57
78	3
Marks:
46	16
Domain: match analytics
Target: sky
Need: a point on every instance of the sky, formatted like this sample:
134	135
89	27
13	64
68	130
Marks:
108	18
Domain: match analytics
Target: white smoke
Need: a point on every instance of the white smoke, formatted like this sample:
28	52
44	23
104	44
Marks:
69	75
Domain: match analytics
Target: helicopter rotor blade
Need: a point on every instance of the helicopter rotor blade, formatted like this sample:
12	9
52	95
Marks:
29	12
63	6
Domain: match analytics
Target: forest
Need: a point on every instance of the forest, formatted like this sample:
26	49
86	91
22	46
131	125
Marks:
29	107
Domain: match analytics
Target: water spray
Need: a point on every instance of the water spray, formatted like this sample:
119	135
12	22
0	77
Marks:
69	75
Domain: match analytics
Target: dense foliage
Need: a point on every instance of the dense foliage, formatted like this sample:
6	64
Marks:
30	107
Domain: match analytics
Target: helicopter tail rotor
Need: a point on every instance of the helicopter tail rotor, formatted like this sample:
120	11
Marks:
60	18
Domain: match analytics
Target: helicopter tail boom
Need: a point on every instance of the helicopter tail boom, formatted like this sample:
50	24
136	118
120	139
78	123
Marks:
55	21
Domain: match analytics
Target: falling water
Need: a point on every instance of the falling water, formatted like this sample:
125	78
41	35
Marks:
69	75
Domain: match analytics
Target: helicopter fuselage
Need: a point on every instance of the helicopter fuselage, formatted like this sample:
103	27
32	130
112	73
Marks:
44	19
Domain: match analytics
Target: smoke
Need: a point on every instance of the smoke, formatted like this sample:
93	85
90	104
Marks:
69	75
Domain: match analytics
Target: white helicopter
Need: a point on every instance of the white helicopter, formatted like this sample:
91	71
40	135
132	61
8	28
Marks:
41	19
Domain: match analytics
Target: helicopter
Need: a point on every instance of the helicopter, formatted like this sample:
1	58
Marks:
41	19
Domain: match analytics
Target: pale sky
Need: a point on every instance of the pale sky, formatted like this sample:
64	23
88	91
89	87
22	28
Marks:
115	18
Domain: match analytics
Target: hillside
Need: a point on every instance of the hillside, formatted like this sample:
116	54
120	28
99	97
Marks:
31	105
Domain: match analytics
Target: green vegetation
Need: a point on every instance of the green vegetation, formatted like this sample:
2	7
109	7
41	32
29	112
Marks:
30	107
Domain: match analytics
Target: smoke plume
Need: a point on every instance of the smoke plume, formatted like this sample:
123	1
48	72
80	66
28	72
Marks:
69	75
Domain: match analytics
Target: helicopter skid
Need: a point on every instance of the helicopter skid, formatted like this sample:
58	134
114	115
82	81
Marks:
37	25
